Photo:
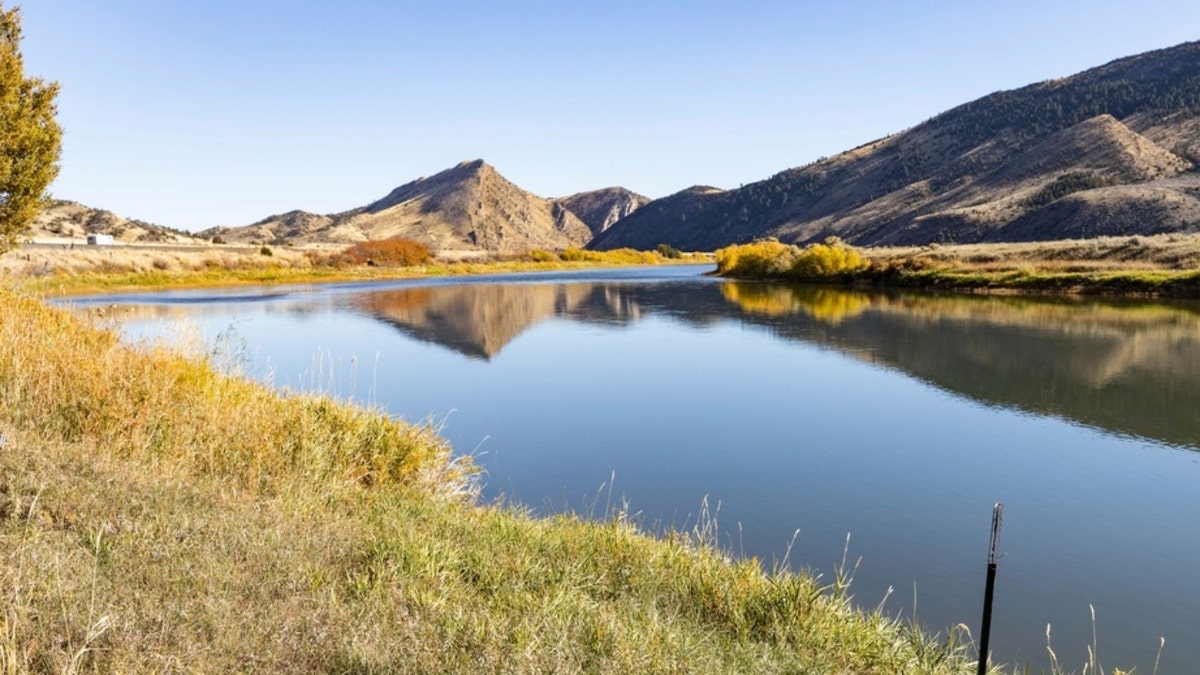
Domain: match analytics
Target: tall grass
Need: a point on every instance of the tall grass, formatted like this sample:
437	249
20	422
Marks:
156	516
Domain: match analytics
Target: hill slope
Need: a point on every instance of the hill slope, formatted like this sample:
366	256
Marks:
470	206
1112	150
71	220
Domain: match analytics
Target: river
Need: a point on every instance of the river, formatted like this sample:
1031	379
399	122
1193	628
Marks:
878	428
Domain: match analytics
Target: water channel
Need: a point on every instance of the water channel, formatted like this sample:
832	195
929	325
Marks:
896	419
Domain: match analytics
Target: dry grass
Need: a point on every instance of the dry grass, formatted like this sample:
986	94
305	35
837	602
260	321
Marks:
1167	252
97	270
156	516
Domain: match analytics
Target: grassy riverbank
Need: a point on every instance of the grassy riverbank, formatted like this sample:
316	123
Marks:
1164	265
97	270
158	516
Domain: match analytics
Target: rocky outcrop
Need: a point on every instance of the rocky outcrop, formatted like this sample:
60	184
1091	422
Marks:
600	209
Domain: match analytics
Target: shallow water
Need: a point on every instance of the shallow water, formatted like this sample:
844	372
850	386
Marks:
896	418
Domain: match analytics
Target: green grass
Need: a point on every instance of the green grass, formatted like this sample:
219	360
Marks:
156	515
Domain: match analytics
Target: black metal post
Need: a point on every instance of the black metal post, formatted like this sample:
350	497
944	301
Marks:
990	589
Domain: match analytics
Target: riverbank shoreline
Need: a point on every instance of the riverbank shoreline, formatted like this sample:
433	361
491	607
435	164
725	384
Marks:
1163	266
156	511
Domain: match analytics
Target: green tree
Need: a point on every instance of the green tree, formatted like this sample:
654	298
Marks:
30	138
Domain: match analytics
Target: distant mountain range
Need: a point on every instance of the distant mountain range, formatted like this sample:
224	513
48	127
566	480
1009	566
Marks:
1111	151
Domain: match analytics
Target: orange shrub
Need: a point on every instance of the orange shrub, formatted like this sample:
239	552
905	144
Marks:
388	253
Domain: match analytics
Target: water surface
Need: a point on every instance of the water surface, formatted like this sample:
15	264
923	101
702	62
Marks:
895	418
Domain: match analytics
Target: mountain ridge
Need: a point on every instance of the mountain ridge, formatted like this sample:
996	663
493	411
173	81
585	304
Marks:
971	173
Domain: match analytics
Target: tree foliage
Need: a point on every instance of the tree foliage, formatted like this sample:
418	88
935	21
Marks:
30	138
1066	184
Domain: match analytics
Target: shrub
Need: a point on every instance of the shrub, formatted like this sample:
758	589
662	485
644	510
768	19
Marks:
574	254
388	253
830	261
767	258
539	255
668	251
266	250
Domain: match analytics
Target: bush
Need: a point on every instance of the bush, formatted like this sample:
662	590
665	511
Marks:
388	253
539	255
266	250
758	260
830	261
574	254
668	251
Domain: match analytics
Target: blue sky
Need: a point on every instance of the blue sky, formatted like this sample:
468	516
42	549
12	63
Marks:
195	114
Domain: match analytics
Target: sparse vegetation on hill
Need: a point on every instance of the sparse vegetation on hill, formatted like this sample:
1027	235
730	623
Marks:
1068	183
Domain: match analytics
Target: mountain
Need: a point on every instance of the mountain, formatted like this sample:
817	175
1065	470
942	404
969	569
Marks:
293	226
1112	150
599	209
470	206
71	220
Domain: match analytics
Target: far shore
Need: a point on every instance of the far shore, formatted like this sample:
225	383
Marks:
1133	266
55	267
1166	265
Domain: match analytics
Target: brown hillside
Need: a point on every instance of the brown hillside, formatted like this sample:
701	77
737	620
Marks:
468	207
293	226
71	220
993	168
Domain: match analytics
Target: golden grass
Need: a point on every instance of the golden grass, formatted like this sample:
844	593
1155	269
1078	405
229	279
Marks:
156	516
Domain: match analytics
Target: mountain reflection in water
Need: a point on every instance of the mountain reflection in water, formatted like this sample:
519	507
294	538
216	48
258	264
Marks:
1130	368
